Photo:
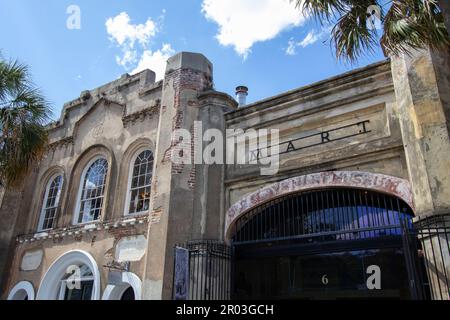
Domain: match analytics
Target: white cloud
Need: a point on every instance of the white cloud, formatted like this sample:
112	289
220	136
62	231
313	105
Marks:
291	47
242	23
155	61
123	32
312	37
129	57
135	40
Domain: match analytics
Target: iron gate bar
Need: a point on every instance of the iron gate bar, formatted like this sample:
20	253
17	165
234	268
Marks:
325	220
433	227
320	213
320	221
322	234
299	249
209	269
410	249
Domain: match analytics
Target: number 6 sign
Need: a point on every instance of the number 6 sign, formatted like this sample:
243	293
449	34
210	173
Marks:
325	279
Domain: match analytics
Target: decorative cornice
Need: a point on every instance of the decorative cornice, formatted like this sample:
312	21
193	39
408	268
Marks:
60	143
75	231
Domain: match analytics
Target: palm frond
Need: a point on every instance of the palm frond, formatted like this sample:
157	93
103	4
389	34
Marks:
23	115
13	77
322	10
351	35
408	25
414	24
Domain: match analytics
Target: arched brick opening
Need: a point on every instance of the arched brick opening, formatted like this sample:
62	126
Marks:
354	179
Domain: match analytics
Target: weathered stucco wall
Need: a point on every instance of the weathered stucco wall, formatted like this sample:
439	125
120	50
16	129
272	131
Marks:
361	122
186	196
33	257
357	113
422	82
115	120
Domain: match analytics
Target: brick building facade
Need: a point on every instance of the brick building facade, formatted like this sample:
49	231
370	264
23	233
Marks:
362	157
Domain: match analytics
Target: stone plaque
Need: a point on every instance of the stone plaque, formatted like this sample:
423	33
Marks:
131	249
181	278
31	260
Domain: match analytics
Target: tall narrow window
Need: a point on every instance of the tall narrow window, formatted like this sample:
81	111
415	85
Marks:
141	182
93	191
50	204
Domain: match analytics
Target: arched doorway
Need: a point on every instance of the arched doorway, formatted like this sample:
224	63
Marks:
73	276
327	243
127	286
22	291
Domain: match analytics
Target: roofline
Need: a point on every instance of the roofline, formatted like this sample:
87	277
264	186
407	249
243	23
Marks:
315	87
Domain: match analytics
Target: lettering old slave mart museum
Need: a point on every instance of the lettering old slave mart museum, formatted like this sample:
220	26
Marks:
356	204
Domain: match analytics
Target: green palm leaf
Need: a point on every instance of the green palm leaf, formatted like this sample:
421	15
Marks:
23	115
407	25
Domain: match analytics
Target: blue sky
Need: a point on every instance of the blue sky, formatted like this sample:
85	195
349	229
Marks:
264	44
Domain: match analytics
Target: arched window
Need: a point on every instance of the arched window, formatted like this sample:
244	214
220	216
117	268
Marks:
92	192
73	276
78	284
139	186
50	204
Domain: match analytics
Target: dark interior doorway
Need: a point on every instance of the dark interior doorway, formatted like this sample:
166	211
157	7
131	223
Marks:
325	244
128	294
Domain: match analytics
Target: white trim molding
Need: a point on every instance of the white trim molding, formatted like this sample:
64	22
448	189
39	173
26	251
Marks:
22	290
51	282
128	279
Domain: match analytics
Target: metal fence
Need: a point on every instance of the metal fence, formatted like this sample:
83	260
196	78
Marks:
324	215
206	266
209	270
434	235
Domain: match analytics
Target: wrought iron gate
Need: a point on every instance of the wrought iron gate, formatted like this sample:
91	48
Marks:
418	280
313	222
433	232
205	274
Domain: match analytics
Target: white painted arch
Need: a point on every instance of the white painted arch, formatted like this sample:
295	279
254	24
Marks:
128	279
50	284
22	290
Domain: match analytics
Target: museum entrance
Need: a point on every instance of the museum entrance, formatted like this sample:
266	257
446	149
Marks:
337	243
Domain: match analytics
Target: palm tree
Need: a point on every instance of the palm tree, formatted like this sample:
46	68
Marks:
407	25
23	115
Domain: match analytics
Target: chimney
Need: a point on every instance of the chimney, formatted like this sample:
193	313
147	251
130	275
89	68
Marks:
241	95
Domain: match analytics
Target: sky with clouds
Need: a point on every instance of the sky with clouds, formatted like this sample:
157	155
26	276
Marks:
268	45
